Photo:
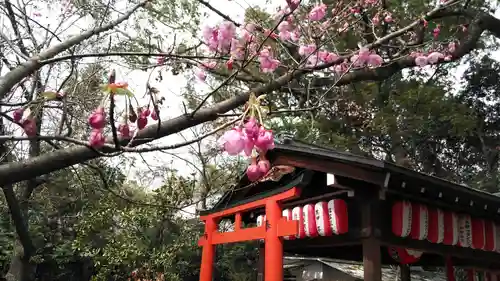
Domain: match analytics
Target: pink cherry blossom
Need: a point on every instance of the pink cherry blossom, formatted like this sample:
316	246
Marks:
327	57
306	50
249	143
375	60
284	31
452	46
142	121
264	166
436	32
145	112
209	64
364	54
200	74
293	4
376	20
233	141
97	119
421	60
29	127
434	57
210	37
284	26
97	139
253	171
237	50
388	18
295	36
252	127
265	139
124	130
227	31
285	35
318	13
17	115
154	115
340	68
267	62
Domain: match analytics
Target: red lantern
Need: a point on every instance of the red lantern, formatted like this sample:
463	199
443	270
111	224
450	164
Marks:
475	275
451	229
478	238
299	216
337	212
436	226
490	236
490	276
287	213
401	218
465	231
323	219
471	275
419	221
404	256
309	221
497	240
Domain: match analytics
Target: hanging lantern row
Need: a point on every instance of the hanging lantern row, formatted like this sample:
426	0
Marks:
420	222
319	219
479	275
405	256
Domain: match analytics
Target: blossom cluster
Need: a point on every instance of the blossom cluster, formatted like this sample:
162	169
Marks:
97	120
27	121
247	139
239	43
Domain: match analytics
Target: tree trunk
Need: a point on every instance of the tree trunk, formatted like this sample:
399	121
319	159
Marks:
20	267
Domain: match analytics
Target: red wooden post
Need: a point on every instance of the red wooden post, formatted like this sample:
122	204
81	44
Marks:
273	243
278	227
208	252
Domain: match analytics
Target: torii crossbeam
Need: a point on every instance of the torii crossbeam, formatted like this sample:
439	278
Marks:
272	232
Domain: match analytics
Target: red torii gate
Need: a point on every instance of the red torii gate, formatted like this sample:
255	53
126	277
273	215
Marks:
275	227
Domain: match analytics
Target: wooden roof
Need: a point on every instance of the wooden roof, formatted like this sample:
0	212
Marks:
313	163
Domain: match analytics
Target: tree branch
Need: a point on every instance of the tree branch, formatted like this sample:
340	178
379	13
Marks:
34	63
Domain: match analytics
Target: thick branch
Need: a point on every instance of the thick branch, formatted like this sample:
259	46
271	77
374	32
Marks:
44	164
60	159
34	63
483	22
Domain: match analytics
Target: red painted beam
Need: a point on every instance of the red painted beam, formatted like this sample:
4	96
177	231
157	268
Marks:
287	195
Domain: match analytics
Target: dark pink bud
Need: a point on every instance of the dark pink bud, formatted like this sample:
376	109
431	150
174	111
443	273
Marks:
96	138
252	127
124	130
265	140
264	166
253	171
142	122
154	115
146	112
229	64
29	127
97	120
18	114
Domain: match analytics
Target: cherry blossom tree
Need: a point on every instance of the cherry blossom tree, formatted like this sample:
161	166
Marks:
296	46
55	101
